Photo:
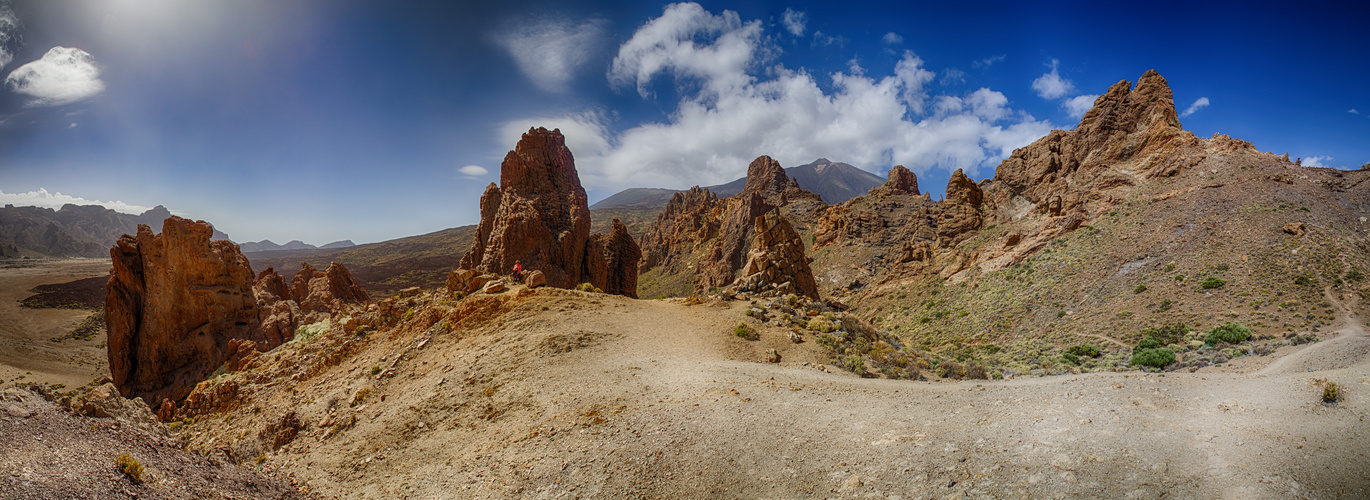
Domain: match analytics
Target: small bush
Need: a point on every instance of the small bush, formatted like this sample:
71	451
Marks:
746	332
1303	280
1221	266
1212	282
1231	333
1166	335
819	324
1165	305
1070	357
587	287
1085	350
1147	342
1331	393
1153	357
1354	275
1169	267
1139	289
130	467
828	341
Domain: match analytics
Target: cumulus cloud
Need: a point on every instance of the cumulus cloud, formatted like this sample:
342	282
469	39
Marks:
550	51
43	198
892	38
795	22
1078	105
1051	85
473	171
9	33
989	61
1353	111
64	75
1199	104
1320	162
737	109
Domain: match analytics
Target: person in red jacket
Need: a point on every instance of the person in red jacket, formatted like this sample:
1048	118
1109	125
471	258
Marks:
518	271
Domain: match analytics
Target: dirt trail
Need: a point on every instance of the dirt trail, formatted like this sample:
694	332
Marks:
604	396
25	347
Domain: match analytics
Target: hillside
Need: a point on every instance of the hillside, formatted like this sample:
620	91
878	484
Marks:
835	182
72	231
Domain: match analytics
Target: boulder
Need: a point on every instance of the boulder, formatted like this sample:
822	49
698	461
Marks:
462	281
1295	228
493	286
277	310
535	279
106	402
322	294
174	301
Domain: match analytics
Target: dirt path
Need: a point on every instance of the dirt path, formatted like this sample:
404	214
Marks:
603	396
27	353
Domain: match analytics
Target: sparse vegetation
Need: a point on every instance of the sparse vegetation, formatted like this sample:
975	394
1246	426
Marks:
1153	357
1331	392
1085	350
1139	289
130	467
746	332
587	287
1212	282
1231	333
1303	280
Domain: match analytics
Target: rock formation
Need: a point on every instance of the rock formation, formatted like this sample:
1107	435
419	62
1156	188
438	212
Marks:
174	302
901	181
961	210
538	215
178	306
611	261
778	259
686	223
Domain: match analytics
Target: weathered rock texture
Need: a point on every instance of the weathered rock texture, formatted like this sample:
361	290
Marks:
901	181
174	302
687	222
538	215
778	259
179	306
611	261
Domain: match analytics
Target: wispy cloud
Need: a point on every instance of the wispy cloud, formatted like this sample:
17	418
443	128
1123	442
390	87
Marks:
892	38
738	108
1353	111
989	61
1051	85
43	198
1199	104
9	32
1077	106
795	22
64	75
952	75
821	39
473	171
549	52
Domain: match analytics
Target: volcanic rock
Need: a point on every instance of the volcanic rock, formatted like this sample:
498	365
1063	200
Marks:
174	302
686	223
538	216
961	210
535	279
611	261
321	295
901	181
778	258
277	310
1295	228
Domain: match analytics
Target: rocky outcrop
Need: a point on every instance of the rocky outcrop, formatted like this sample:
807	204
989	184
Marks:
612	260
687	222
174	301
719	266
538	216
901	181
961	210
277	309
777	262
321	294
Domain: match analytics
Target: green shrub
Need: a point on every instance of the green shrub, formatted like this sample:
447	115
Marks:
1165	305
1221	266
1167	335
1231	333
1153	357
1303	280
1139	289
1085	350
828	341
1169	267
587	287
746	332
1212	282
822	325
1354	275
1070	357
130	467
1147	342
1330	392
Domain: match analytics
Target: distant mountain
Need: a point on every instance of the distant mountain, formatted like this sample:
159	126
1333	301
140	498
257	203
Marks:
270	246
72	231
835	182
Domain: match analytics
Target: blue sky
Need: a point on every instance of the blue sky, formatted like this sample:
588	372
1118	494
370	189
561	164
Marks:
330	120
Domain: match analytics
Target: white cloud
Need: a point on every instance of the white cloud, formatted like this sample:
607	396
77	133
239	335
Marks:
1078	105
42	198
952	75
1320	162
63	76
795	21
1051	85
821	39
989	61
473	171
549	52
738	110
1199	104
892	38
1353	111
9	33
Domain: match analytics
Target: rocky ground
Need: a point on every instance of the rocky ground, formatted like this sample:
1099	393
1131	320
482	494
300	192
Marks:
565	394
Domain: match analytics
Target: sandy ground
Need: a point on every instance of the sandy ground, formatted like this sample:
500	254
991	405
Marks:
26	353
575	395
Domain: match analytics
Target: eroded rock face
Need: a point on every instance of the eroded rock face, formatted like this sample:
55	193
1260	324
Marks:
901	181
174	302
778	258
277	309
961	210
539	216
686	223
321	294
612	260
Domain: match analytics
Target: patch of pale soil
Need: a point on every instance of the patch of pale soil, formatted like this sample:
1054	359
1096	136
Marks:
27	353
578	395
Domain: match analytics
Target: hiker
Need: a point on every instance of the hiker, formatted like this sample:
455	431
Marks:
518	271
